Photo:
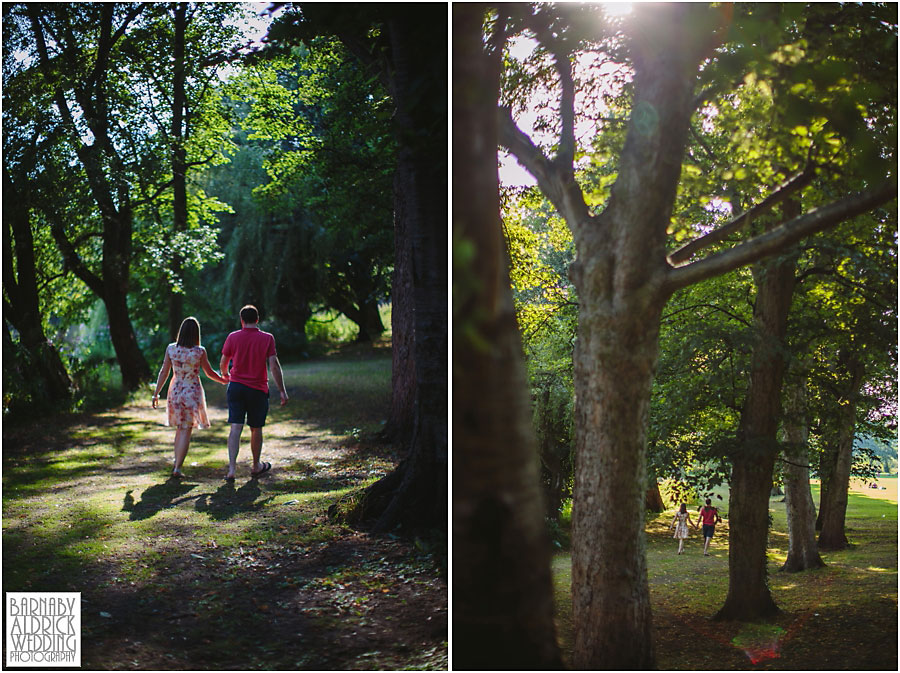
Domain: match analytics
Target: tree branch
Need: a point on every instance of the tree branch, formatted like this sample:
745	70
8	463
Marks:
73	261
731	315
565	156
781	236
565	195
780	194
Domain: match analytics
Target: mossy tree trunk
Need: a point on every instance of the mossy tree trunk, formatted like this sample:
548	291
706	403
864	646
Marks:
803	552
833	502
502	591
753	463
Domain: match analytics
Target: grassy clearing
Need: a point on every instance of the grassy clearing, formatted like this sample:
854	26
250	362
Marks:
843	616
206	574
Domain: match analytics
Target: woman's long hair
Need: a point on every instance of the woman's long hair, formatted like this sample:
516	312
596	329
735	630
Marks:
189	333
683	509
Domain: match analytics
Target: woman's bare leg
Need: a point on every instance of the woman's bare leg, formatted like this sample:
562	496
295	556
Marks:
182	442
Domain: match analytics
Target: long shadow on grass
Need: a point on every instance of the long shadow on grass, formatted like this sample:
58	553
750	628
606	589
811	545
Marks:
227	501
156	498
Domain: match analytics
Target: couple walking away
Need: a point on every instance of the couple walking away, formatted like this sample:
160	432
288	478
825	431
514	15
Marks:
709	515
251	353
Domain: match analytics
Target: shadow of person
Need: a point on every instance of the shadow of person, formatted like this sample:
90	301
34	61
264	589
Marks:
228	501
156	498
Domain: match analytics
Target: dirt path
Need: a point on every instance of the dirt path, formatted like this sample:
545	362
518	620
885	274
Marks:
203	574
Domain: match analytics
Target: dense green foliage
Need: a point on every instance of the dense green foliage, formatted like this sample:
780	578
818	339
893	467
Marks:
288	163
801	101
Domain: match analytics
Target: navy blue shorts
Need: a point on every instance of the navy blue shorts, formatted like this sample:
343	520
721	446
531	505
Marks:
246	402
708	529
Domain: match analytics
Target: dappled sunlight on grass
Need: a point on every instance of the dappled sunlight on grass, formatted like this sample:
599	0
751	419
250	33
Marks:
195	569
853	596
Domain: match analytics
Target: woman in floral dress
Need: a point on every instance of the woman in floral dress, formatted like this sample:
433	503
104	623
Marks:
680	524
186	401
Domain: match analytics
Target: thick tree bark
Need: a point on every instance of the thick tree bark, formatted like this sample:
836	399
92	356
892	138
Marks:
502	592
751	478
803	552
621	293
418	86
398	428
833	502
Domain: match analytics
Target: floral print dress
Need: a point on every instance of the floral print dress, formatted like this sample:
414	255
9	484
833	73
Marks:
681	526
186	401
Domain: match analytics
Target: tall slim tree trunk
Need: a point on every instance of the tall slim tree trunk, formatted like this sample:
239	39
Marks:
834	509
653	501
179	167
803	552
502	592
752	465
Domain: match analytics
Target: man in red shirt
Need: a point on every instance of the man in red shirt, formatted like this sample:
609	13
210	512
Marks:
709	515
251	353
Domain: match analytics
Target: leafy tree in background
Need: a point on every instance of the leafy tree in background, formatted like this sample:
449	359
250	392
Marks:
109	163
330	162
76	65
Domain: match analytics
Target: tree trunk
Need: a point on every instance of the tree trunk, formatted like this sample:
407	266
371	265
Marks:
132	364
803	552
502	591
179	167
752	465
418	88
621	294
614	360
653	500
834	509
22	308
366	317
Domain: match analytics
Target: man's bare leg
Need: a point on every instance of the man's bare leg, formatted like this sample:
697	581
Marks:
234	446
256	441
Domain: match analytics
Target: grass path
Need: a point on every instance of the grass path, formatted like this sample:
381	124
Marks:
841	617
205	574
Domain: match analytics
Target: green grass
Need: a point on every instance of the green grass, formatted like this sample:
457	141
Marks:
203	573
841	616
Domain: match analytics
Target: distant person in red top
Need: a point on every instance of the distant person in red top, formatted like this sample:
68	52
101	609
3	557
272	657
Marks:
251	353
709	516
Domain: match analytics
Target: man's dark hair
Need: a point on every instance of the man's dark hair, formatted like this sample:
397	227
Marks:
249	314
708	501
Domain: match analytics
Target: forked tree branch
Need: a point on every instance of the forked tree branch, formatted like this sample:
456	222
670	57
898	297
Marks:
782	236
780	194
559	186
